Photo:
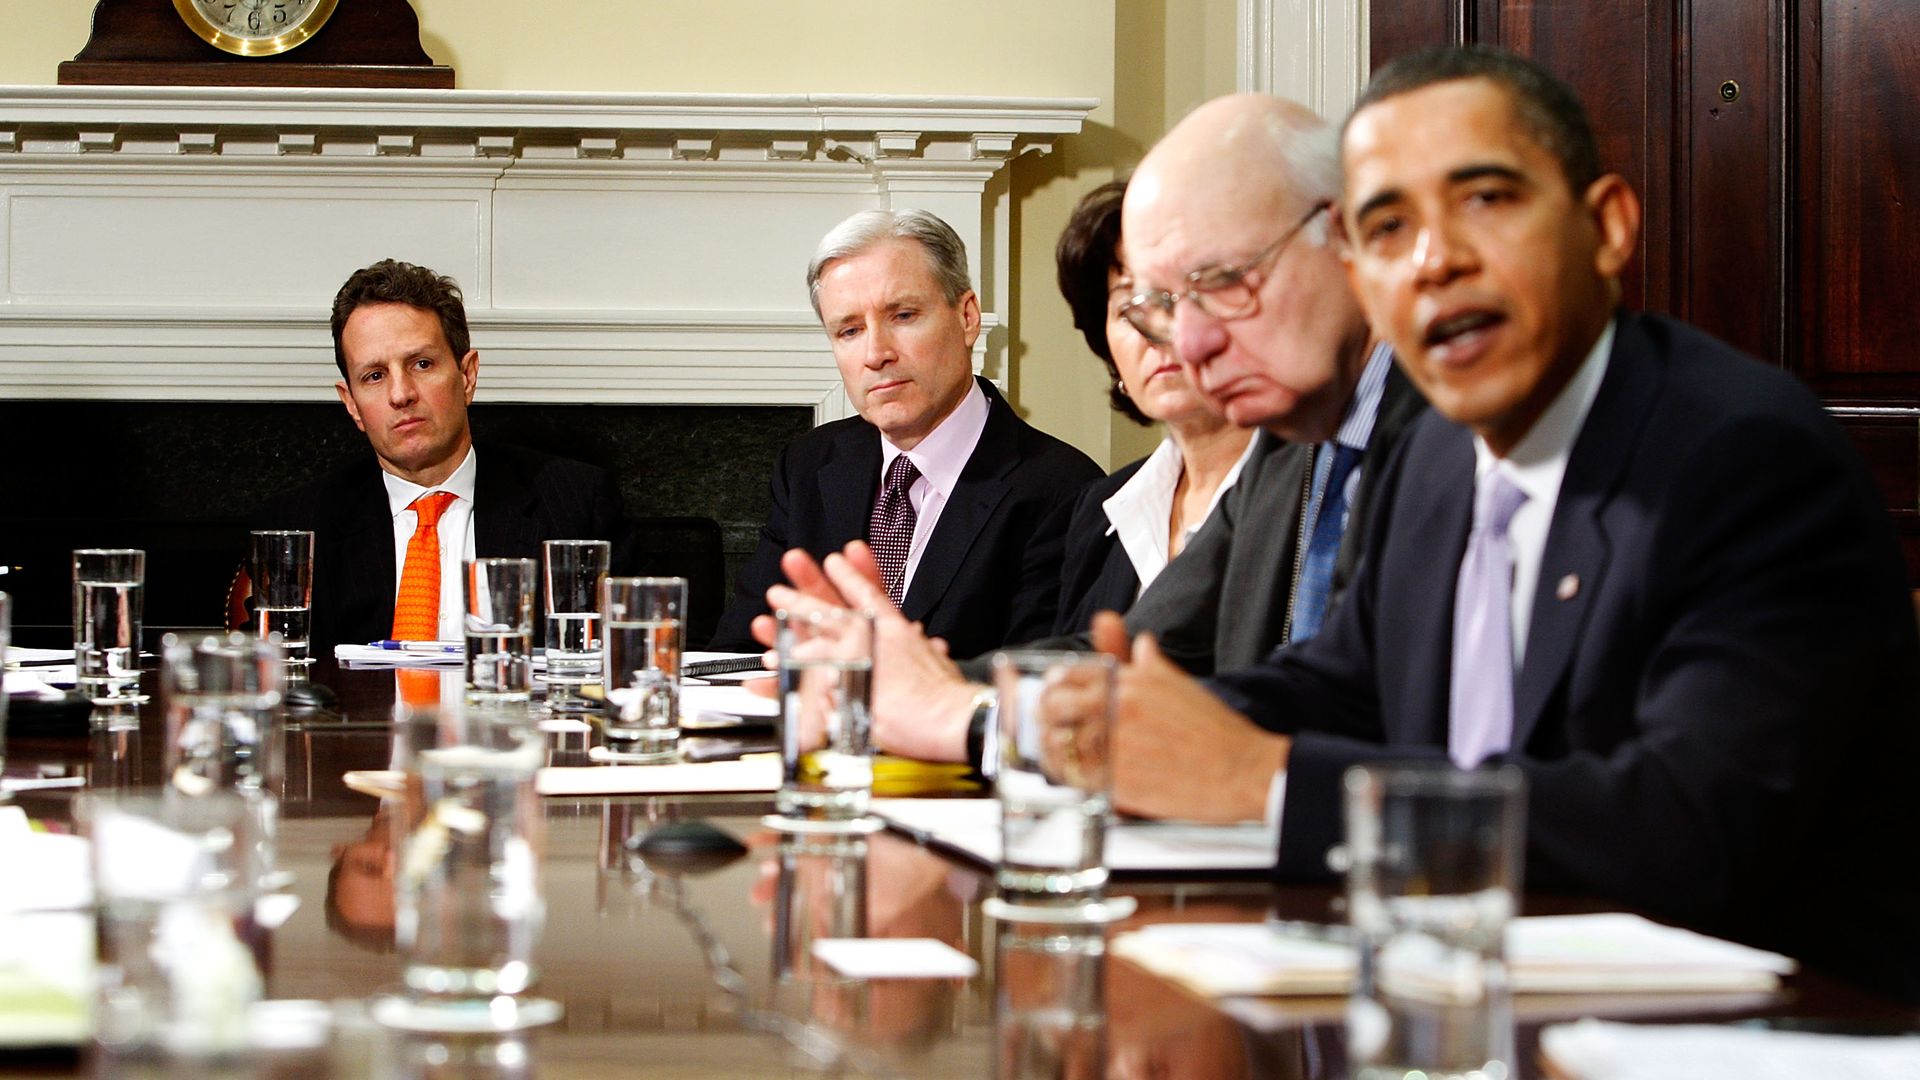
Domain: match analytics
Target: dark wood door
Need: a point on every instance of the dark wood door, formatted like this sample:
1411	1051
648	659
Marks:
1776	146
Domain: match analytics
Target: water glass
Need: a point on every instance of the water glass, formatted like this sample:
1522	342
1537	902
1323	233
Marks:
499	630
282	573
175	884
572	570
109	589
6	636
468	900
1433	859
826	723
222	695
1049	1004
644	619
1056	778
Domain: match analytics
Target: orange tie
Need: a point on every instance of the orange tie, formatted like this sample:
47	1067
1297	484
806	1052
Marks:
416	610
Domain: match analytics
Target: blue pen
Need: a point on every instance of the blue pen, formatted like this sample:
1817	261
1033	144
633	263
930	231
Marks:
416	646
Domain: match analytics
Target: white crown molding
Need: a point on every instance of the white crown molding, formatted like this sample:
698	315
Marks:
182	243
1313	51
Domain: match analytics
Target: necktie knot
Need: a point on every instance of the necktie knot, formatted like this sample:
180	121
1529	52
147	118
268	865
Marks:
1499	498
900	476
430	506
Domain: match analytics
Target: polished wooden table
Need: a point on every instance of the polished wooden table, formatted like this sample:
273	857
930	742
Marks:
702	968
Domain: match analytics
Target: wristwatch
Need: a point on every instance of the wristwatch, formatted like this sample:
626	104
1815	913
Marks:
985	701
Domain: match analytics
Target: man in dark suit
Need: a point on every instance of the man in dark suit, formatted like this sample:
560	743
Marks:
1225	221
970	521
1640	567
407	376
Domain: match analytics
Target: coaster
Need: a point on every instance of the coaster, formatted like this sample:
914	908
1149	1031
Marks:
1096	913
479	1017
859	826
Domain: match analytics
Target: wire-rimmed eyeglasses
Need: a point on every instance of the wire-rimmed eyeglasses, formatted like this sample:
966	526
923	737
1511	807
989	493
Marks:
1224	292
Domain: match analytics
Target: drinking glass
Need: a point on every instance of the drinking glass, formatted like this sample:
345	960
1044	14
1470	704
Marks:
6	634
175	884
499	630
109	589
222	692
826	745
469	905
282	573
1056	778
1433	873
572	570
644	617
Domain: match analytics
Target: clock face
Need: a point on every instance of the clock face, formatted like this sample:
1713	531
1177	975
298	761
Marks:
254	27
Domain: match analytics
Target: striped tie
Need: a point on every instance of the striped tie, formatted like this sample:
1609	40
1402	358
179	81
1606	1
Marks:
416	610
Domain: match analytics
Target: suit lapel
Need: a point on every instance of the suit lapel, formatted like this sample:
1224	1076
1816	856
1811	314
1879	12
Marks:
1444	486
1575	558
848	483
368	578
1400	404
982	486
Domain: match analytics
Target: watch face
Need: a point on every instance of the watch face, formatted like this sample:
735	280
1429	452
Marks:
254	27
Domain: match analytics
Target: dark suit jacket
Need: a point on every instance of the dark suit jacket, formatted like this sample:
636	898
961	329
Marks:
520	499
1095	573
1223	603
1718	723
990	573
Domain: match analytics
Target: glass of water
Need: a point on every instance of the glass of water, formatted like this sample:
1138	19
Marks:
222	693
572	570
1056	779
468	899
109	590
499	630
175	884
1433	874
282	573
644	617
6	631
826	722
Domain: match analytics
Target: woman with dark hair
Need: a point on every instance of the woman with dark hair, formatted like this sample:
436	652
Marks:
1127	527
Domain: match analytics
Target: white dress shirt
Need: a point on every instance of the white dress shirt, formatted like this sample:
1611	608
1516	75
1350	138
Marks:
1140	511
456	539
1536	465
940	457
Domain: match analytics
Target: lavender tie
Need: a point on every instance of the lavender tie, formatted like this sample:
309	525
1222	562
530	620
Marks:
890	529
1481	708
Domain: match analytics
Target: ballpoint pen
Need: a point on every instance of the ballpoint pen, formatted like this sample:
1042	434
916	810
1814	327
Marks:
416	646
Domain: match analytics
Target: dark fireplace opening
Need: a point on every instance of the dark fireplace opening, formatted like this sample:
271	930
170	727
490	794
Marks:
180	479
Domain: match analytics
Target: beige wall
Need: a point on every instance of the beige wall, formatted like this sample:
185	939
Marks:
1147	61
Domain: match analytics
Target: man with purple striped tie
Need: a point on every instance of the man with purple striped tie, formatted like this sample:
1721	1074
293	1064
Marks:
1645	570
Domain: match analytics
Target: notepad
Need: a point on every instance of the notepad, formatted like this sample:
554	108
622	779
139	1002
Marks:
1601	1050
895	958
753	774
972	828
1572	954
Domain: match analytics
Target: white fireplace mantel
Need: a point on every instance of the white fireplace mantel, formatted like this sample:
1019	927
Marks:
173	243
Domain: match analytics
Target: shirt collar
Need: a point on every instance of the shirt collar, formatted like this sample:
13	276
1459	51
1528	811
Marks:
1356	430
1151	487
401	492
943	453
1539	459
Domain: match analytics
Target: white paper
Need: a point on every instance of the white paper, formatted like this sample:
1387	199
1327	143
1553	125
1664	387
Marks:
972	826
1602	953
757	773
34	684
44	871
725	702
1600	1050
895	958
21	654
373	656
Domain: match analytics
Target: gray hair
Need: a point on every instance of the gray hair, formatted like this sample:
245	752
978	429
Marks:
1310	166
946	254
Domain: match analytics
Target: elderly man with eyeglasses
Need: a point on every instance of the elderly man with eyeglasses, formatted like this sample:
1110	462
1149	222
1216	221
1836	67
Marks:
1226	234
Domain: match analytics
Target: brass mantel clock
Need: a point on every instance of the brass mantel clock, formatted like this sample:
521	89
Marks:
254	27
256	43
